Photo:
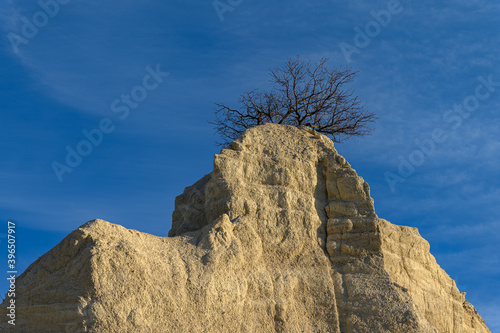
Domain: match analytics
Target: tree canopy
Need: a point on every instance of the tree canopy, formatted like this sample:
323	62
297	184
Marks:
301	94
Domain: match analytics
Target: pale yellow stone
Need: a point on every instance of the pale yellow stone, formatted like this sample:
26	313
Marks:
281	236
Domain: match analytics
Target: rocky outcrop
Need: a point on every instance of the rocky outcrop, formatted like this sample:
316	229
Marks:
281	236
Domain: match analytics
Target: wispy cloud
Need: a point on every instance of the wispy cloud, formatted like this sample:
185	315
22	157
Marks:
94	60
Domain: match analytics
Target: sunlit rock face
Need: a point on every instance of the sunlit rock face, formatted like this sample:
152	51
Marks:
281	236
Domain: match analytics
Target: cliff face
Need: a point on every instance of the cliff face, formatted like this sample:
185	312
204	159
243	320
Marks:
281	236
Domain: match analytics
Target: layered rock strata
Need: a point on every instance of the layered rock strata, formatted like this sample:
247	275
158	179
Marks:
281	236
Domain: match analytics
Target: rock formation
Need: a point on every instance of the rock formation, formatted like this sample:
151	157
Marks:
281	236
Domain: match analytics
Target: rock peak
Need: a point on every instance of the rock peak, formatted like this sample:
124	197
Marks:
281	236
291	166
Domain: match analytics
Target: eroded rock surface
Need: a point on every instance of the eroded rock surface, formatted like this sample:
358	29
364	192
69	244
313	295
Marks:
281	236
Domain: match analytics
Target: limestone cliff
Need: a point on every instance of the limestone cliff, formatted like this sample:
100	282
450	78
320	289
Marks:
281	236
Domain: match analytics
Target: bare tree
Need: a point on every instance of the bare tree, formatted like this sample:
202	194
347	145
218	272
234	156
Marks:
302	94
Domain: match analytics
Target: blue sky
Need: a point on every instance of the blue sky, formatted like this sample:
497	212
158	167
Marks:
429	70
